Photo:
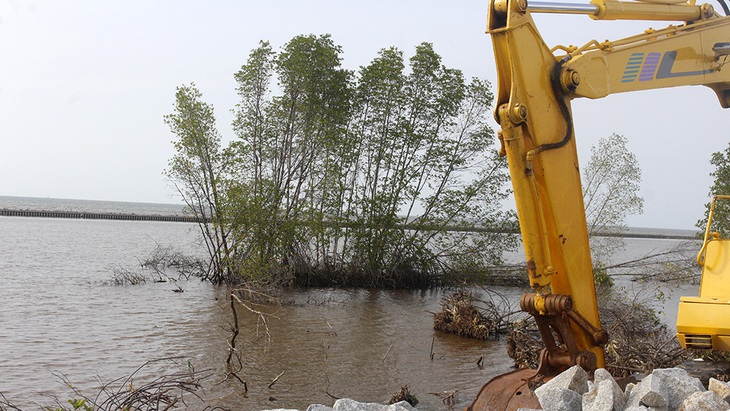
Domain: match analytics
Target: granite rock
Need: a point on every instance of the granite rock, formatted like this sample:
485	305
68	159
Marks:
720	388
704	401
605	395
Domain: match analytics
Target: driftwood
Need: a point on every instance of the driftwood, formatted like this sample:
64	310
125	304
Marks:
271	384
7	405
232	369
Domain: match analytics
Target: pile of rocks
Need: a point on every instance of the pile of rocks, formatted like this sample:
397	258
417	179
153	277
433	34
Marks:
346	404
667	389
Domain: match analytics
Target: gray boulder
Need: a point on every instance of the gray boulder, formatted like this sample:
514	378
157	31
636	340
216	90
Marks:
564	392
574	378
677	384
627	390
559	399
605	395
721	389
664	388
648	392
347	404
703	401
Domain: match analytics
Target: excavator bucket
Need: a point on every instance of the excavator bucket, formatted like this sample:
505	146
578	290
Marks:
703	322
507	392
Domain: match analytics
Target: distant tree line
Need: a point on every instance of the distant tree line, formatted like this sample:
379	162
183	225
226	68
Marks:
344	177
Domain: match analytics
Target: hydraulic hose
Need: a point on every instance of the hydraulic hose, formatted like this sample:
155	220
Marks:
724	7
558	91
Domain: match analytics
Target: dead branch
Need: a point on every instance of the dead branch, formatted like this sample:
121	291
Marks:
232	343
271	384
676	265
161	393
450	400
386	354
6	405
230	371
261	316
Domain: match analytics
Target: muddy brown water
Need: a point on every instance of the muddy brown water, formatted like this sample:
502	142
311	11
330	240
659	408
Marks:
362	344
58	314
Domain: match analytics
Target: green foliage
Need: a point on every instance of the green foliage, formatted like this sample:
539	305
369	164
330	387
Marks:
425	163
199	172
288	150
611	186
611	183
720	186
338	176
76	405
600	275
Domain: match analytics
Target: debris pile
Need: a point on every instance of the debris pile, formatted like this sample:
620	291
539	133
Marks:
459	316
404	394
524	344
638	341
670	389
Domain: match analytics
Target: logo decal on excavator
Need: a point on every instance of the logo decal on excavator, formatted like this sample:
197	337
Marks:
651	66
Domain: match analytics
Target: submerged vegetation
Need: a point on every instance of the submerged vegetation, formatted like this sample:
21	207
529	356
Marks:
163	264
143	389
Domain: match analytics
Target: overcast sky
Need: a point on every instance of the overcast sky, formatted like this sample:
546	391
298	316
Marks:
84	86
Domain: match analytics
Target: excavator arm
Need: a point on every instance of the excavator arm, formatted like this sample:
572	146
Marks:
535	86
690	54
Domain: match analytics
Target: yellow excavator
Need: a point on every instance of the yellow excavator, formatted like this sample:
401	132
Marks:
535	86
703	322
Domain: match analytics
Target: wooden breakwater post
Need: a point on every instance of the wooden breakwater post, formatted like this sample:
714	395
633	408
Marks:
97	215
